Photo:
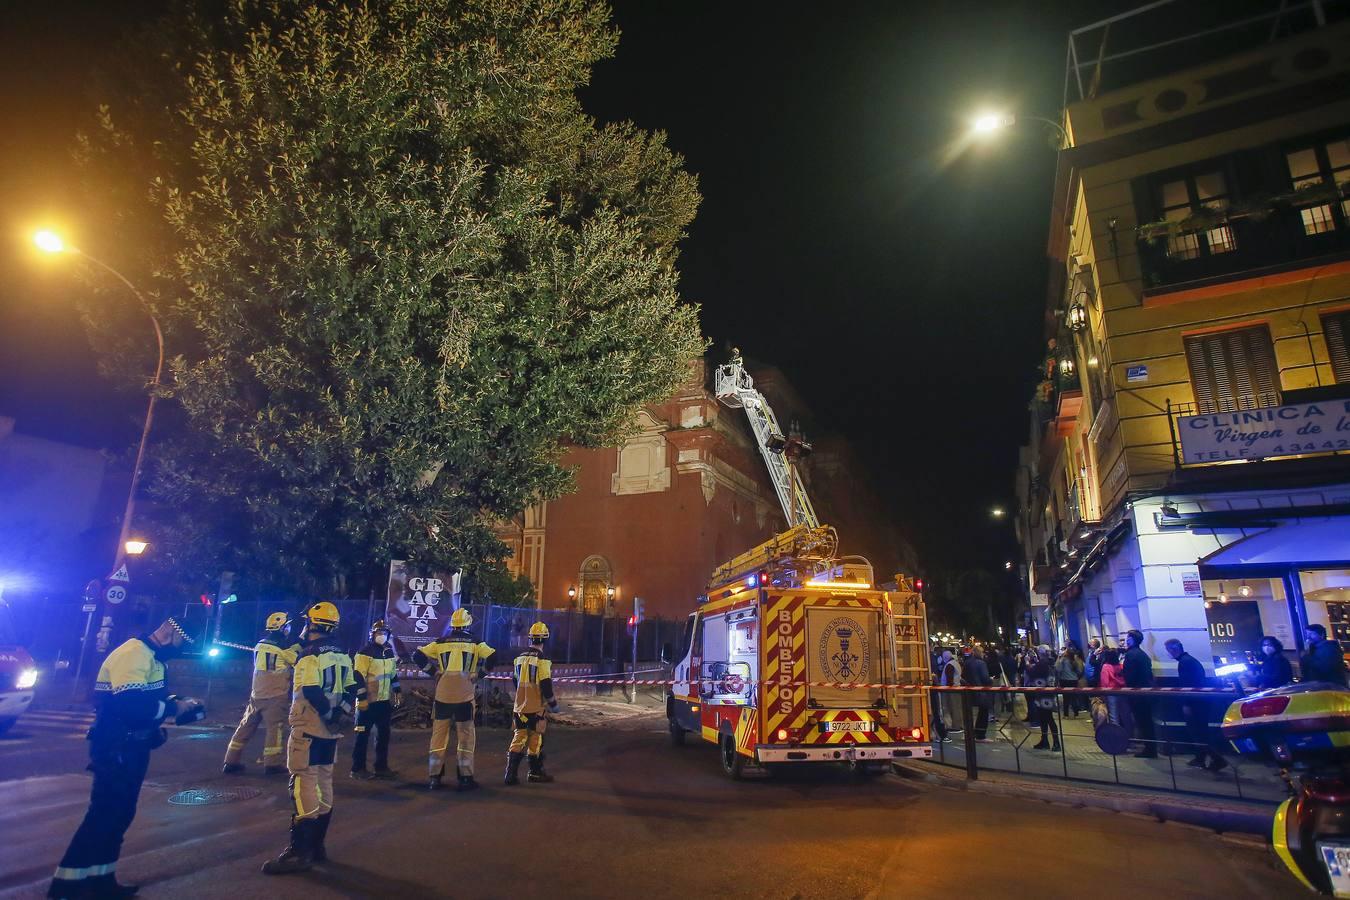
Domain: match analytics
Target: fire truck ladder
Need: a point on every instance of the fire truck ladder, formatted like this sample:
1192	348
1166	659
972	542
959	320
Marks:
735	388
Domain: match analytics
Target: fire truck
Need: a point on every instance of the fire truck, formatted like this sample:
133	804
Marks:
795	654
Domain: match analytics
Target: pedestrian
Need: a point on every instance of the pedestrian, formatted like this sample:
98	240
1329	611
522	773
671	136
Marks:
322	698
378	694
1112	677
133	705
1041	673
976	672
1275	669
1195	711
1092	663
1068	669
461	660
269	698
1323	660
532	676
1138	671
950	676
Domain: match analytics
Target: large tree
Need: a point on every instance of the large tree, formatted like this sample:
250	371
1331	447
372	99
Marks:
399	268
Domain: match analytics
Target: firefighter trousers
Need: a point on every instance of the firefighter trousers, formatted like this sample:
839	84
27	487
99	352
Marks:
375	717
466	737
271	712
91	858
310	762
528	735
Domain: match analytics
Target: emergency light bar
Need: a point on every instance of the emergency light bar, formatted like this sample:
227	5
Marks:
861	585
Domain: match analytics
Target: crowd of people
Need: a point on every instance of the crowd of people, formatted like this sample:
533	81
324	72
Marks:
1106	668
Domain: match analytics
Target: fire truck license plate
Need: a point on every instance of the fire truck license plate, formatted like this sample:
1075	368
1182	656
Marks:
848	726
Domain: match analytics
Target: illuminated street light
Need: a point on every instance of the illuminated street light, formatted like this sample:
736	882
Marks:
49	241
997	512
135	547
988	123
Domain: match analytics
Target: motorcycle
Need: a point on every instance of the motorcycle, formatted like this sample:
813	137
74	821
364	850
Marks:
1304	729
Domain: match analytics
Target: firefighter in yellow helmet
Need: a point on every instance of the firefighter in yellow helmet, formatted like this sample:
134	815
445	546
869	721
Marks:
461	660
323	697
273	659
377	694
533	679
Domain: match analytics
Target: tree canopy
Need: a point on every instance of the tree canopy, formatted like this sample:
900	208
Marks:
399	269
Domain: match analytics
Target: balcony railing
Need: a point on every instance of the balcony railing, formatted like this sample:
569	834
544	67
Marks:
1276	241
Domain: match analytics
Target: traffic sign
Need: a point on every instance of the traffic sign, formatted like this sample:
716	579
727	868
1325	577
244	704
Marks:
89	607
115	593
92	591
121	574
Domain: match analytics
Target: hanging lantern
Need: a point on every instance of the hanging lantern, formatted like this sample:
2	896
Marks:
1067	366
1076	318
1223	594
1244	590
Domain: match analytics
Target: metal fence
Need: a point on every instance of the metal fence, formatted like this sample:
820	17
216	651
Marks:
1010	743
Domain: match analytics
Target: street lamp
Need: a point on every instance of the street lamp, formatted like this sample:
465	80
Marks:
50	242
997	512
989	123
135	547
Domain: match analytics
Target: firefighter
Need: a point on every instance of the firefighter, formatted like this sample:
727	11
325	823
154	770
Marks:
377	695
133	704
273	659
533	679
461	661
323	696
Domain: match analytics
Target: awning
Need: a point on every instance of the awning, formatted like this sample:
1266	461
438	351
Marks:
1297	543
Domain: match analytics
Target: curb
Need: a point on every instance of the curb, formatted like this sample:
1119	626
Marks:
1221	817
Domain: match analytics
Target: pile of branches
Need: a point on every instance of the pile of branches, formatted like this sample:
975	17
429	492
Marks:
494	707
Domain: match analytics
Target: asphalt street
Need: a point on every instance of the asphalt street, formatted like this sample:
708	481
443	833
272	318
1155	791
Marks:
629	816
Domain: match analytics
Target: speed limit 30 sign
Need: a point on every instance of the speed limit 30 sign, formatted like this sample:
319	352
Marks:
115	593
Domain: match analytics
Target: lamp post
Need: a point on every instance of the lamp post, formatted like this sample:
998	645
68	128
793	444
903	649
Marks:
50	242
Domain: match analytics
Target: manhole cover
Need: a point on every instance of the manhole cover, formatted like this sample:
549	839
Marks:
210	796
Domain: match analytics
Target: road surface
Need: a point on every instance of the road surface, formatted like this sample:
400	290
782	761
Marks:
630	816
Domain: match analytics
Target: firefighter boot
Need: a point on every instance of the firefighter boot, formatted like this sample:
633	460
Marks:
513	768
318	851
232	769
298	857
537	773
102	886
434	783
466	782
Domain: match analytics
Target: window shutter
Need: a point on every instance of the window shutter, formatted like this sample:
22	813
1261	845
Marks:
1233	370
1336	330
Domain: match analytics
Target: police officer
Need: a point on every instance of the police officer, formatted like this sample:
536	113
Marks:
324	695
132	705
273	659
377	694
460	660
533	678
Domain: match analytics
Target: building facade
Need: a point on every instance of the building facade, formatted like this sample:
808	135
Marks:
687	492
1187	471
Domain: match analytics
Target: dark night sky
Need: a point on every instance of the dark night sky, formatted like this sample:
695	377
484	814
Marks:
846	234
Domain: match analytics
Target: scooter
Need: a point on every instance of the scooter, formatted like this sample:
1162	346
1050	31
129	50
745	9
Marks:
1305	730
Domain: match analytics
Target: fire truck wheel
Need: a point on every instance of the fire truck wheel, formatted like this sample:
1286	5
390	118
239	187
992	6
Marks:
676	733
732	762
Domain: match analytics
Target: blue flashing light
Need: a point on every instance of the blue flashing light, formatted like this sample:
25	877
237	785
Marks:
233	598
752	581
1231	669
214	651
